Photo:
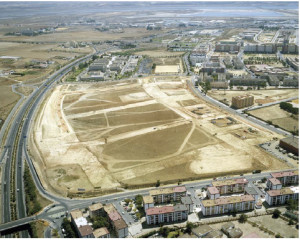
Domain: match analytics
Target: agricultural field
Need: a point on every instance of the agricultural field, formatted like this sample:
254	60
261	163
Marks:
277	116
260	96
92	138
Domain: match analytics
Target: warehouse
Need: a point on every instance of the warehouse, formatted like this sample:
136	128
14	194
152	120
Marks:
291	144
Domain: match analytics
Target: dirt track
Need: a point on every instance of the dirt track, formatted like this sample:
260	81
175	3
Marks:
94	136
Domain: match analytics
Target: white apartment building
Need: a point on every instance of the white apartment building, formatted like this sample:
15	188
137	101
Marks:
281	196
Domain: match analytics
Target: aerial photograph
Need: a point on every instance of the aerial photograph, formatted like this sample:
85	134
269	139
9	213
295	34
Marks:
149	119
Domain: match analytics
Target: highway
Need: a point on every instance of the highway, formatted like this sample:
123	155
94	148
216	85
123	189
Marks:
21	122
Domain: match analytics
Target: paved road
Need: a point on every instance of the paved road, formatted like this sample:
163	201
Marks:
222	106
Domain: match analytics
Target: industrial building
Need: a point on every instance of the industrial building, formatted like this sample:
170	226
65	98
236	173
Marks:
290	144
242	101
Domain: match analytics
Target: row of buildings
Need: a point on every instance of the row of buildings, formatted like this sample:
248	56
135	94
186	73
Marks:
84	228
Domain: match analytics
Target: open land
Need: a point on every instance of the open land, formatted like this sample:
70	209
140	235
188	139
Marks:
260	96
108	135
277	116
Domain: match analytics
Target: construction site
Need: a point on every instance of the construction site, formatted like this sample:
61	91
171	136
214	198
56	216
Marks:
102	137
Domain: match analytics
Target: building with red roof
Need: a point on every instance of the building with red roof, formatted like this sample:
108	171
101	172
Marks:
287	177
230	186
164	195
274	183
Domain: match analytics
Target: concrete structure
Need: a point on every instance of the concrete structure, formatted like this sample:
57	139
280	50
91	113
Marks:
287	177
231	231
225	205
164	195
256	48
228	46
282	196
291	144
251	191
230	186
242	101
165	214
274	184
96	210
101	233
148	202
202	231
187	201
215	234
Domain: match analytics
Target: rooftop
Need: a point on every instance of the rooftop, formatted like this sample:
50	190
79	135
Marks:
85	230
250	190
120	224
229	182
274	181
81	221
100	232
227	200
283	191
180	207
294	141
114	216
148	199
159	210
109	208
186	200
167	190
202	229
284	174
95	207
76	214
212	190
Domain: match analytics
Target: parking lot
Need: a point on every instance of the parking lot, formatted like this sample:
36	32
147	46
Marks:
273	148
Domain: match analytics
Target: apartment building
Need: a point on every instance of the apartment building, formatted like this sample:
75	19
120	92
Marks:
274	184
242	101
224	205
85	231
96	210
118	223
164	195
287	177
188	202
228	46
165	214
148	202
281	196
230	186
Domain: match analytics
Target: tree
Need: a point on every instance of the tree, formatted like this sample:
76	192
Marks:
291	222
189	227
73	69
164	231
292	205
276	213
157	183
243	218
206	87
264	180
231	85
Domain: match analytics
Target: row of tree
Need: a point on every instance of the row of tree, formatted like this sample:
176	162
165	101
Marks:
289	108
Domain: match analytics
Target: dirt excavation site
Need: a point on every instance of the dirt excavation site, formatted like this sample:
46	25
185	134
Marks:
100	137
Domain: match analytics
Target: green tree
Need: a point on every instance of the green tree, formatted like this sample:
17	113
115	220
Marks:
291	222
243	218
206	87
189	227
276	213
164	231
157	183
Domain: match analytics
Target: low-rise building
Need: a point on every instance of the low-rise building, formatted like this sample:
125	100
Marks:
101	233
291	144
165	214
287	177
282	196
231	231
202	231
164	195
224	205
121	228
242	101
213	193
230	186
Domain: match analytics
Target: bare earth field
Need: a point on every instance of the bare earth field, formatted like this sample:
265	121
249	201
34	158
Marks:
259	95
107	135
7	97
277	116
